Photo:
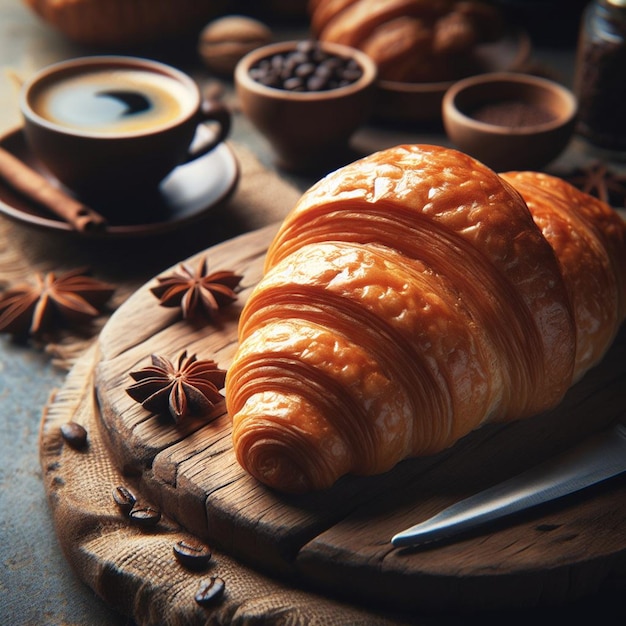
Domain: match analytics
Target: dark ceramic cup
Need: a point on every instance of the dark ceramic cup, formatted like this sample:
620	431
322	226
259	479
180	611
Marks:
107	125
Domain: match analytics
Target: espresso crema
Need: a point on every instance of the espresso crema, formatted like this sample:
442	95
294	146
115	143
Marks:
113	102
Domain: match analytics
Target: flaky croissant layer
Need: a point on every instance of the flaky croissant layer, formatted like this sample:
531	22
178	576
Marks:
409	298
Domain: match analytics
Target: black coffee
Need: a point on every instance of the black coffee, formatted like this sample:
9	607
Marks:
112	102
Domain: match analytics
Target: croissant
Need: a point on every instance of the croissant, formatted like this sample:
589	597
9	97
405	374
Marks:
410	40
409	298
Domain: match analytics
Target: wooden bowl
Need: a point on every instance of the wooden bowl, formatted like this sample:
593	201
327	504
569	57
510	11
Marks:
509	121
308	130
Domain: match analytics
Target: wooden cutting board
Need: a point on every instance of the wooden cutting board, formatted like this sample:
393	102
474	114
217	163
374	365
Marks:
337	541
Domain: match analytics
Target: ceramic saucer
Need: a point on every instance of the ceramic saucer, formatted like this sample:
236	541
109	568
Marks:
186	195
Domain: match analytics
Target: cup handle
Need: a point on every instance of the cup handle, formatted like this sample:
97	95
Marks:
216	112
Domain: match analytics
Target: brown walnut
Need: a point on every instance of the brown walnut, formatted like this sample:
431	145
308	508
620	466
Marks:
224	41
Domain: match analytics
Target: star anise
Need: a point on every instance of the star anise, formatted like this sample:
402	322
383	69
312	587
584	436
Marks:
186	387
197	291
598	180
33	308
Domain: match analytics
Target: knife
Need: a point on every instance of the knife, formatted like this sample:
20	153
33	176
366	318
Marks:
599	458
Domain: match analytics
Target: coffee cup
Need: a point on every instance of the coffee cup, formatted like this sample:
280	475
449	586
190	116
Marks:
107	125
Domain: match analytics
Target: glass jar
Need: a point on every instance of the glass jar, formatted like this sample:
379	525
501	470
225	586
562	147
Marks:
600	79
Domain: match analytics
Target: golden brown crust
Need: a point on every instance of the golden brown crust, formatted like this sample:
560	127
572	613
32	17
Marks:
454	34
451	195
356	22
321	11
382	29
402	49
410	297
588	239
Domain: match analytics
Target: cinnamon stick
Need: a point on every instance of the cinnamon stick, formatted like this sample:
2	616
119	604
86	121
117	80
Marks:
33	185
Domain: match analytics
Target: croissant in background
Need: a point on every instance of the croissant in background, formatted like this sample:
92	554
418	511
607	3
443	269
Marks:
411	40
411	297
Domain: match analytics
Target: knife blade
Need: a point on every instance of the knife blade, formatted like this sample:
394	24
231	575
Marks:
599	458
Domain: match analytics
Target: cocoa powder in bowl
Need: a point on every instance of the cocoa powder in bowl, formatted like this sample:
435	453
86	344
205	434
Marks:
512	113
509	121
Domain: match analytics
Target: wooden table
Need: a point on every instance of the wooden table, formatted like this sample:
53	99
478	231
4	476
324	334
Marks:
38	585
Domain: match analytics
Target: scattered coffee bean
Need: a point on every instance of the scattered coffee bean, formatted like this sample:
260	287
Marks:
210	591
124	498
192	555
74	434
144	516
307	68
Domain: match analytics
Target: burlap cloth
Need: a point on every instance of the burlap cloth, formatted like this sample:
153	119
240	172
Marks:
133	569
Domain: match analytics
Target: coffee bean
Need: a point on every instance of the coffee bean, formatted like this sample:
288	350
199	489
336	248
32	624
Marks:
267	78
350	75
304	69
210	591
307	47
316	83
144	516
124	499
294	83
307	68
74	434
192	555
330	66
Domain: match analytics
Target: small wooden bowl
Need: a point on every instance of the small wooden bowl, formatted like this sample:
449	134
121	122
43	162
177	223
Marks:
307	130
509	121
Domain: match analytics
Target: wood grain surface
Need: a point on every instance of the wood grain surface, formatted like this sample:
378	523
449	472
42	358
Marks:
134	569
339	539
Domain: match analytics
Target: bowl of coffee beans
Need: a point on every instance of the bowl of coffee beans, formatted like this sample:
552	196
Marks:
510	121
307	98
